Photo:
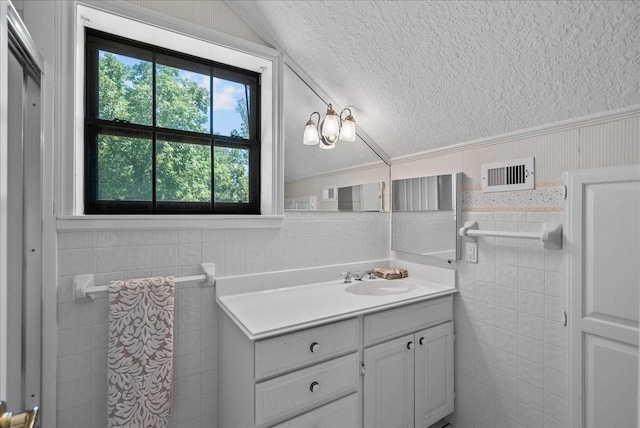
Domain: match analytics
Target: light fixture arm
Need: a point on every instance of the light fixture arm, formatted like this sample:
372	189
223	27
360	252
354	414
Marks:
311	122
349	115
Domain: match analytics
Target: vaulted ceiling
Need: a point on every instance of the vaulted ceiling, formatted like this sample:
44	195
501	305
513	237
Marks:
420	75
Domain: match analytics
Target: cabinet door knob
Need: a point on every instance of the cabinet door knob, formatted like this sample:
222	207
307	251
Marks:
410	345
421	341
314	387
315	347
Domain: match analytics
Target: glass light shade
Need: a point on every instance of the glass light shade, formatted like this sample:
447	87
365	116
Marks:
331	127
327	146
311	136
348	130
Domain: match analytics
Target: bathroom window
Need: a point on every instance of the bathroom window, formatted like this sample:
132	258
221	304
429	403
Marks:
168	133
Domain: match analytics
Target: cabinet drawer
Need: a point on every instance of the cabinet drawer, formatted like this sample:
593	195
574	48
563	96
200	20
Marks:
292	351
342	413
291	393
396	322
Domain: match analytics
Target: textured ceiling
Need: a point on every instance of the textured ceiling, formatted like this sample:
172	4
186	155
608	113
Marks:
421	75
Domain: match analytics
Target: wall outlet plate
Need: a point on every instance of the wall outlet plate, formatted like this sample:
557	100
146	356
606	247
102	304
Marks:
471	252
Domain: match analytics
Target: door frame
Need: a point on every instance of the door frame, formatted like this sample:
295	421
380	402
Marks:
574	181
4	59
14	32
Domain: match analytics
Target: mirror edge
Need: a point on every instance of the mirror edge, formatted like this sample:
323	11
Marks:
456	189
457	198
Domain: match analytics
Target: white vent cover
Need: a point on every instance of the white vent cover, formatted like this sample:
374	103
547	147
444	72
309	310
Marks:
510	175
330	193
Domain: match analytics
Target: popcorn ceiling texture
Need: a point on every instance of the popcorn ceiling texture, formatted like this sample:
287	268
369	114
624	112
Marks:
423	75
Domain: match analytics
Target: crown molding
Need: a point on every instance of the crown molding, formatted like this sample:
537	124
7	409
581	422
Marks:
350	170
565	125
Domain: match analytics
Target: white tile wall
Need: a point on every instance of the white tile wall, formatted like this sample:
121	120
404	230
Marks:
510	365
306	239
423	231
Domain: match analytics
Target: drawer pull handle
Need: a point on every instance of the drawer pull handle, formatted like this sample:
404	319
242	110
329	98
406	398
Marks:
315	347
410	345
421	341
314	387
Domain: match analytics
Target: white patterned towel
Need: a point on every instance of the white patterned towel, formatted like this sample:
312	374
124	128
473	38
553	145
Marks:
140	365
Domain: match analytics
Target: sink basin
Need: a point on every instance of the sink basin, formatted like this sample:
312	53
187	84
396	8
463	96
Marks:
380	287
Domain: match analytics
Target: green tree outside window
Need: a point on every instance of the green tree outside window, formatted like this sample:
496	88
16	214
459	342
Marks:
183	169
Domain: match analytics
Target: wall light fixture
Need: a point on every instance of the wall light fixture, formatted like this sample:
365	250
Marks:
332	128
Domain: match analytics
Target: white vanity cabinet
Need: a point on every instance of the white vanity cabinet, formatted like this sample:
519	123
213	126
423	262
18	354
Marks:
311	375
319	355
408	380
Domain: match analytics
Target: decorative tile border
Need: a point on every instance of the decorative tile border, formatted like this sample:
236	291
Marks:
545	198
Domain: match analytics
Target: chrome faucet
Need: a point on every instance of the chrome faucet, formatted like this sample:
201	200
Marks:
369	274
347	277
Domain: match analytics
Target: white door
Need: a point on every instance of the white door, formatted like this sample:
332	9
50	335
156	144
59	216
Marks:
433	375
603	238
388	384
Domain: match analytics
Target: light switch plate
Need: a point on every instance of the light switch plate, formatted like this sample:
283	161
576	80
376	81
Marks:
471	252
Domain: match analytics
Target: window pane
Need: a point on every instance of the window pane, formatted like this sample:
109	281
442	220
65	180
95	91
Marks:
183	172
183	100
230	108
124	168
124	88
151	116
231	175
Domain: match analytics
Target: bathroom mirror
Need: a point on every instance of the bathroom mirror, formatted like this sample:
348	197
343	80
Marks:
360	197
426	215
364	197
309	170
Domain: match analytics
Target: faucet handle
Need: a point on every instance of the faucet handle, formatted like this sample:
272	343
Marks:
347	277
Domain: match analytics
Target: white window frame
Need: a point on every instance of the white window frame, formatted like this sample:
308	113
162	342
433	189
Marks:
175	35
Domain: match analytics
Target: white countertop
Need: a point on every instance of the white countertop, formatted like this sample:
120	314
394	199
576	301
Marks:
266	313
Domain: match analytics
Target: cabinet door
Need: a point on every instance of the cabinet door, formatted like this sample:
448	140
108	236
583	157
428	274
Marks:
388	384
433	374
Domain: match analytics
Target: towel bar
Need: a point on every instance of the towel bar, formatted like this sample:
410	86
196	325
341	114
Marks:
551	235
84	285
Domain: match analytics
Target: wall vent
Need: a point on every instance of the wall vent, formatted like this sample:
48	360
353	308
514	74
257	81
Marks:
510	175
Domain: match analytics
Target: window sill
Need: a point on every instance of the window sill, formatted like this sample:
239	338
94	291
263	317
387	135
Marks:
123	222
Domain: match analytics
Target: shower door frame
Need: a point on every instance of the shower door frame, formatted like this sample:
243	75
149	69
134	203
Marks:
16	42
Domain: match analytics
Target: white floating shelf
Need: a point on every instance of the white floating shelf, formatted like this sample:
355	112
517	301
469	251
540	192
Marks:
551	235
